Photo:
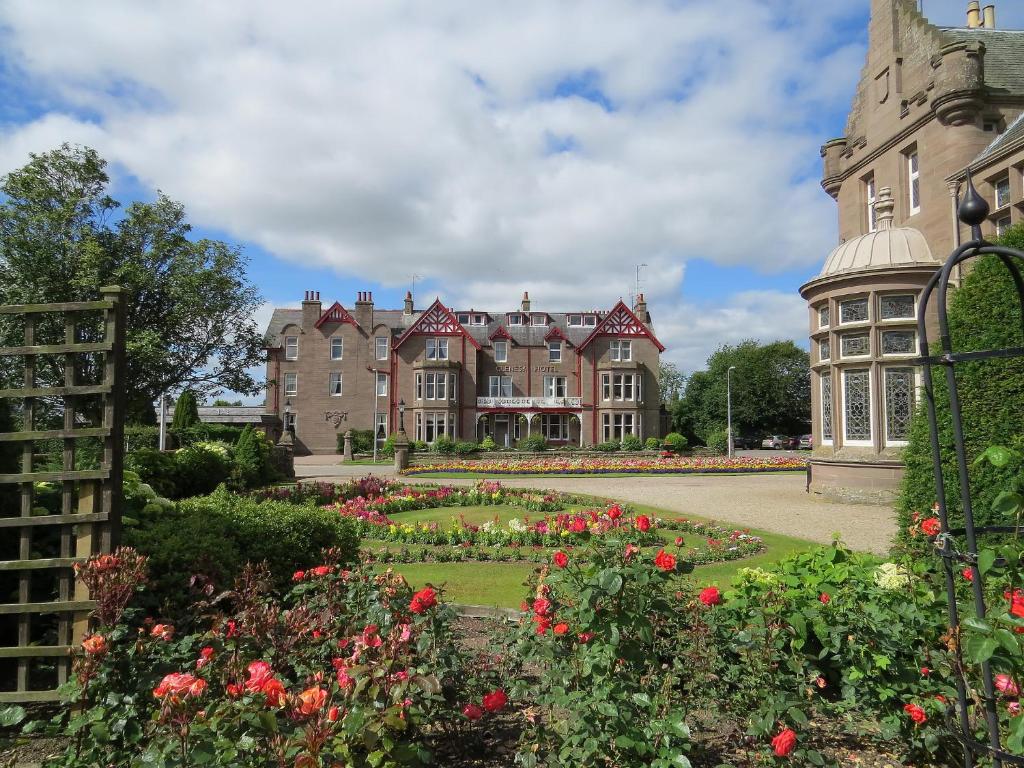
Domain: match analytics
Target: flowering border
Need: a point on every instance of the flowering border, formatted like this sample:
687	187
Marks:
665	465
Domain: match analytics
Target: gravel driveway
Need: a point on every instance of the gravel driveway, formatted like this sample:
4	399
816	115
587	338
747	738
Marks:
775	503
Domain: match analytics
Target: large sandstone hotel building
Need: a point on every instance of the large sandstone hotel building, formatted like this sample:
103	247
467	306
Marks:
574	377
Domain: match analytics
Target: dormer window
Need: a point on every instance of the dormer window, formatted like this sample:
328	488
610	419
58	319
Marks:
590	321
539	320
291	347
501	351
554	351
464	318
515	319
479	320
576	320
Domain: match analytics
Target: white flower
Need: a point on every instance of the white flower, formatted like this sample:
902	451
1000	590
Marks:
488	526
516	525
891	577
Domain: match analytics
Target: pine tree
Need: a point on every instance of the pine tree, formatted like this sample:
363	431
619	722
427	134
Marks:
186	412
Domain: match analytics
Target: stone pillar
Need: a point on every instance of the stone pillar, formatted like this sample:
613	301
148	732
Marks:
401	450
347	454
283	455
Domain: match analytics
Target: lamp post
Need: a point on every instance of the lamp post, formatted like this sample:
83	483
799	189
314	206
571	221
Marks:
728	405
401	416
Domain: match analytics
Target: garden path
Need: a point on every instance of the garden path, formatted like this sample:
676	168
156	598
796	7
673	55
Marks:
776	503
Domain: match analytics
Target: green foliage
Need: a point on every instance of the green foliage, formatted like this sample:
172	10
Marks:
147	436
718	441
652	444
675	442
199	469
671	382
771	392
609	446
186	411
488	444
983	314
466	448
216	535
188	303
632	443
362	441
9	455
251	459
156	469
443	445
533	443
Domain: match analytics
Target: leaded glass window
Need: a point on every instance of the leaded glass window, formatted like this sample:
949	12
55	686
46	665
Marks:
824	350
896	307
857	405
898	342
854	311
899	402
823	317
826	407
855	345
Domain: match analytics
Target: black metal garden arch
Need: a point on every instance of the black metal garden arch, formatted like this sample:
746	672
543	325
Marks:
961	544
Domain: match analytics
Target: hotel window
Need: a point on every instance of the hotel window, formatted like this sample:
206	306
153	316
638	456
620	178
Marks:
515	319
615	426
337	348
1002	190
555	426
826	407
291	348
870	197
500	386
539	320
913	182
824	317
620	386
382	385
854	345
437	349
382	426
622	351
575	320
431	425
381	343
900	307
419	386
436	387
857	405
554	351
478	320
335	384
899	342
464	318
501	351
853	311
900	392
1002	224
554	386
824	350
451	387
589	320
291	383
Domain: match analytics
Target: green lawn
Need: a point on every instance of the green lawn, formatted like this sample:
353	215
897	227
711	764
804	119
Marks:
499	476
501	584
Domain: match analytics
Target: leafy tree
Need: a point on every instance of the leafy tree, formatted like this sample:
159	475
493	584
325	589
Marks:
770	392
983	314
186	412
221	403
671	381
188	305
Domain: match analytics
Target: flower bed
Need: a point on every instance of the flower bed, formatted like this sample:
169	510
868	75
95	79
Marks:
665	465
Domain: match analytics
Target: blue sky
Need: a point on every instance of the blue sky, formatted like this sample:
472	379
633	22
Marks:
486	148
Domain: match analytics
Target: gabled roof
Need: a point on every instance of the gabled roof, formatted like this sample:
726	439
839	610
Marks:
621	322
500	333
556	333
336	314
437	320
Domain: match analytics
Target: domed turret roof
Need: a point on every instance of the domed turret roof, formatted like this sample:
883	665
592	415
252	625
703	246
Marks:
886	247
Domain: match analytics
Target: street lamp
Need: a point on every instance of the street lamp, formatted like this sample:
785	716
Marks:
287	414
728	405
401	416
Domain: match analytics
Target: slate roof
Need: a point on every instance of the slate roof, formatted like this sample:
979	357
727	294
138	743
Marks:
1004	56
1014	134
398	322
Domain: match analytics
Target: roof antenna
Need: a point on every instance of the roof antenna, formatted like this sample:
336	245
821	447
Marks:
414	279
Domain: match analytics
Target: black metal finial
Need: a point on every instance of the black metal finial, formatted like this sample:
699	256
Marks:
973	208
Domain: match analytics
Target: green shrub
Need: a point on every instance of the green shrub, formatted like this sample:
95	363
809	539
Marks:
488	444
419	445
632	443
252	466
155	468
609	446
983	314
198	433
444	445
362	441
199	470
186	411
652	444
718	441
533	443
466	448
675	442
138	436
215	536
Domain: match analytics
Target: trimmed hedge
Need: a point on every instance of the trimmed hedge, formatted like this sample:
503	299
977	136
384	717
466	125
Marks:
984	314
215	536
139	436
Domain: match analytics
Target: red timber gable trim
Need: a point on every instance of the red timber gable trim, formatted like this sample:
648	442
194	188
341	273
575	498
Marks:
556	333
336	314
621	322
438	320
501	333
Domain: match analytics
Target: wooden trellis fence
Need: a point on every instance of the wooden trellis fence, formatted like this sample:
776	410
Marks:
51	612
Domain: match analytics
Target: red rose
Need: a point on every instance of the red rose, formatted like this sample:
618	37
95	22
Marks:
332	714
643	523
614	511
205	656
298	576
679	541
916	713
785	742
631	550
95	645
925	671
234	690
1016	602
665	561
423	600
561	559
162	632
495	701
585	637
931	526
560	629
711	596
967	573
542	606
543	623
472	712
312	700
1006	684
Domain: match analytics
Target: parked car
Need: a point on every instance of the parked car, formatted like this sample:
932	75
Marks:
774	442
792	443
807	442
745	442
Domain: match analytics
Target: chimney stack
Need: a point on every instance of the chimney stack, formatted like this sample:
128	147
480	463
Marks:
408	302
363	311
310	309
973	14
640	308
989	18
526	302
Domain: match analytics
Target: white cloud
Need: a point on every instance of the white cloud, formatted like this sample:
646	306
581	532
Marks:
390	138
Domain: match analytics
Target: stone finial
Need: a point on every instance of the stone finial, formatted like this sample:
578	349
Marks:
884	207
347	452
